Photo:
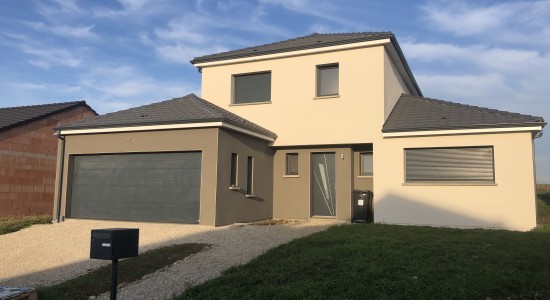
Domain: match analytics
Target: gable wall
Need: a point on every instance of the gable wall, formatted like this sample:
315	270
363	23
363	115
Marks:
356	116
28	162
394	85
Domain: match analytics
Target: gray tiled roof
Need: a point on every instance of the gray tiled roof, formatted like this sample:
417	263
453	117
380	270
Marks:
15	116
413	113
315	40
185	110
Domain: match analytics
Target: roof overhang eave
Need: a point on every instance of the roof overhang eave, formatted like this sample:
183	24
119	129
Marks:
76	126
414	132
220	123
211	58
290	53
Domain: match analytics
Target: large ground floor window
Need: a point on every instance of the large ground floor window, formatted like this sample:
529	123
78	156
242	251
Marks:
450	164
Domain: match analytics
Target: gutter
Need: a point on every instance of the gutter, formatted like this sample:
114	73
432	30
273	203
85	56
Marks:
393	134
60	183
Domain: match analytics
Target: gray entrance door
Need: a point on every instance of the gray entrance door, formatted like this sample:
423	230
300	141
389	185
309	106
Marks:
323	186
162	187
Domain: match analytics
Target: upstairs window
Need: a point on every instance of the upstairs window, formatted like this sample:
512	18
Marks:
457	164
291	164
252	88
327	80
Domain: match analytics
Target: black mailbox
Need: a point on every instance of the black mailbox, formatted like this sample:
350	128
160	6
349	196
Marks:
114	243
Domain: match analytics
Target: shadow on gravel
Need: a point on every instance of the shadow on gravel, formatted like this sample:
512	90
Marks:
237	237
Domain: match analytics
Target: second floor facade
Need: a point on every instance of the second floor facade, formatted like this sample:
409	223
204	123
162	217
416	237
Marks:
339	93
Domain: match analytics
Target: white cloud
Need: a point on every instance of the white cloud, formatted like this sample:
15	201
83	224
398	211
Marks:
61	7
183	54
133	9
64	30
47	57
512	22
39	63
183	30
463	20
134	4
327	10
506	60
324	28
120	82
29	86
113	88
43	56
199	32
239	15
468	89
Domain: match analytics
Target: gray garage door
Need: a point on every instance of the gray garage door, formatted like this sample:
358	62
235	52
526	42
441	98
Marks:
161	187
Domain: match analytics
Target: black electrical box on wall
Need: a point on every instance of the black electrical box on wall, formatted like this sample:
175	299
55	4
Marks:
114	243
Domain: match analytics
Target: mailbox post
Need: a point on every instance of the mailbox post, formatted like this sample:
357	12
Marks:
114	244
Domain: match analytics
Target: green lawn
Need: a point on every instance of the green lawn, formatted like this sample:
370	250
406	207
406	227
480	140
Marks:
396	262
13	224
543	211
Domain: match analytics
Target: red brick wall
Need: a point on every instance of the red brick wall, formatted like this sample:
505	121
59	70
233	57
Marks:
27	164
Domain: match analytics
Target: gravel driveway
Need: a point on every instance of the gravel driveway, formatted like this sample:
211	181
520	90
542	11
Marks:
47	254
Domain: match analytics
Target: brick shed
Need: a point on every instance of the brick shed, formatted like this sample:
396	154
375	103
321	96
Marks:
28	152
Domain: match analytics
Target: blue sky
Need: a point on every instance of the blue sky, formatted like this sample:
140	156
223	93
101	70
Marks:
119	54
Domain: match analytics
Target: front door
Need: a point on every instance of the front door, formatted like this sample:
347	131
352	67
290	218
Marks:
323	185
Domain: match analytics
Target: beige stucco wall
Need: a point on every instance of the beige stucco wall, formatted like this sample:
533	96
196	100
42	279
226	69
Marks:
204	140
233	205
369	88
394	85
510	203
291	194
356	116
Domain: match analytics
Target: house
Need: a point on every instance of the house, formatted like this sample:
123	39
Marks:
290	130
28	152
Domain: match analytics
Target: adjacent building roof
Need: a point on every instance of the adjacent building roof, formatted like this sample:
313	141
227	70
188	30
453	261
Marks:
15	116
413	113
314	40
185	110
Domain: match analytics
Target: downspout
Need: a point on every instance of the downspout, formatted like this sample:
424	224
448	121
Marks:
60	183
